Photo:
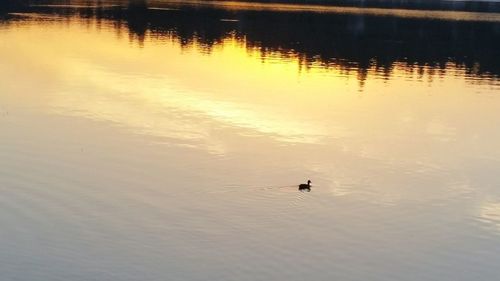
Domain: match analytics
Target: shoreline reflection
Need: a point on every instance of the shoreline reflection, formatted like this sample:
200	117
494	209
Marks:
352	43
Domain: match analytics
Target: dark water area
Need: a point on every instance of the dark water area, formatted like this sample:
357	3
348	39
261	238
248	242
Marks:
350	41
13	5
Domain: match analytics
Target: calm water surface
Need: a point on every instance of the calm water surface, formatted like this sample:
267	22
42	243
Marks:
165	142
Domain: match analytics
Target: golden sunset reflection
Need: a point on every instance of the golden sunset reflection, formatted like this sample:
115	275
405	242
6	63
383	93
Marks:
232	85
186	95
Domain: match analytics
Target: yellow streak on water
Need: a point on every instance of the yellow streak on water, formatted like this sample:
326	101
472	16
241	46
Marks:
401	13
113	80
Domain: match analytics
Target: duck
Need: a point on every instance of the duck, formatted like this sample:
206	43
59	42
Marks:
305	185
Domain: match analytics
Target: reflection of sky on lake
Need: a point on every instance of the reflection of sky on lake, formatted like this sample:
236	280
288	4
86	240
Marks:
184	95
138	159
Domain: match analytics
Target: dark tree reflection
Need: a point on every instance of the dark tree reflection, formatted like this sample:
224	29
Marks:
341	40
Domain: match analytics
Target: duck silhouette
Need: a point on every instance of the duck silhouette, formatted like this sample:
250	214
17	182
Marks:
305	186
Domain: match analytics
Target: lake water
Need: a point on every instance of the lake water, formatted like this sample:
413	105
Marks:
166	142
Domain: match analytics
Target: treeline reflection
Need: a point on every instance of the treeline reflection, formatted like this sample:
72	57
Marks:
346	41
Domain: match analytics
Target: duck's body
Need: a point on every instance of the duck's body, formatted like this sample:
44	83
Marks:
305	185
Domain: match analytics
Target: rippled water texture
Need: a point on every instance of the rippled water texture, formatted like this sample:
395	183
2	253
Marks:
166	141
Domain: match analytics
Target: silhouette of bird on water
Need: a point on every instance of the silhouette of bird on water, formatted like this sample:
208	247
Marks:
305	186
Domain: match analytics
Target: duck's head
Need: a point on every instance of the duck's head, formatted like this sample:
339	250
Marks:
309	181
